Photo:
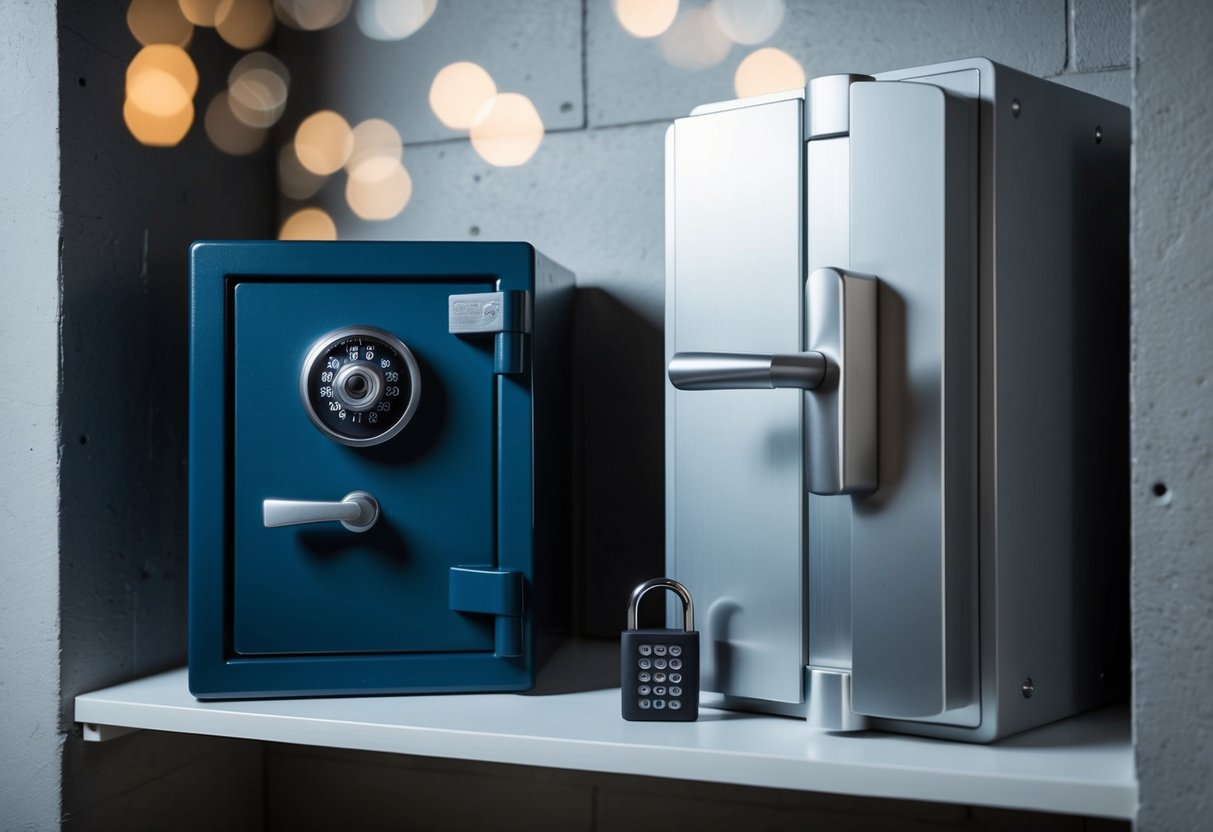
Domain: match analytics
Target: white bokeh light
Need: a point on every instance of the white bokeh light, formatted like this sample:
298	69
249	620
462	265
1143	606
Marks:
645	18
767	70
507	130
379	189
459	91
695	40
258	86
393	19
748	21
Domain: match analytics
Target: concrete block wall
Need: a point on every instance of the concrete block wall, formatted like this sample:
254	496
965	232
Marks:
129	213
1173	413
29	468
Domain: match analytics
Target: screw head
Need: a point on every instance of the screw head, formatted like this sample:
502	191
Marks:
1029	688
1016	107
1098	134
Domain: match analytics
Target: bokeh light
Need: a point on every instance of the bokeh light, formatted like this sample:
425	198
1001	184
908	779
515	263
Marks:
695	41
324	142
308	224
767	70
645	18
158	21
393	19
245	24
376	144
257	87
294	180
160	85
748	21
378	189
312	15
228	133
507	130
171	60
157	93
459	91
200	12
158	131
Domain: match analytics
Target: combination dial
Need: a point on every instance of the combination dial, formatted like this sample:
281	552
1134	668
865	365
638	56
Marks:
360	385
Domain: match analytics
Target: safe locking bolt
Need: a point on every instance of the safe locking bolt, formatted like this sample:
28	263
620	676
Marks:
360	385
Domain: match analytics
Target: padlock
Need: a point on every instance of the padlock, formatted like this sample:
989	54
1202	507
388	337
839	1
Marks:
659	666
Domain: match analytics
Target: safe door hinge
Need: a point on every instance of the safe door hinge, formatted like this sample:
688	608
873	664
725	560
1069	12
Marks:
504	315
488	591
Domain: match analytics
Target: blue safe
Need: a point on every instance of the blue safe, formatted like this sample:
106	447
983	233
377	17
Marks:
378	470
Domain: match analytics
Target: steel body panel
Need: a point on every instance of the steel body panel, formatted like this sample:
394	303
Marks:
827	234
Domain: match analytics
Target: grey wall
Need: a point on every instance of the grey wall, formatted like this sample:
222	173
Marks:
29	459
129	213
1173	412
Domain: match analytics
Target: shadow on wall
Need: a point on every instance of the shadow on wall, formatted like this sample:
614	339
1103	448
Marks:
619	459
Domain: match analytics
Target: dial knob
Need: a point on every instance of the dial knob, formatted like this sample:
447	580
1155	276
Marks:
360	385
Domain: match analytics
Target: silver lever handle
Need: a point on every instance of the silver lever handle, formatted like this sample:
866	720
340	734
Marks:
743	371
357	511
840	369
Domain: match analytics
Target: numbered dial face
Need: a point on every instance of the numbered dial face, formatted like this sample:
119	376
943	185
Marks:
360	385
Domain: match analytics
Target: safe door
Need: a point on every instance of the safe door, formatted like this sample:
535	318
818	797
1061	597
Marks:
363	472
320	365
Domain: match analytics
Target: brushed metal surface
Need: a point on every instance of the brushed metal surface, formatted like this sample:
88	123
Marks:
841	414
688	604
827	98
735	496
358	511
828	244
745	371
828	697
914	541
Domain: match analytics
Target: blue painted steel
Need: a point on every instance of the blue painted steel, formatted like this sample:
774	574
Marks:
497	593
485	590
322	588
508	353
300	611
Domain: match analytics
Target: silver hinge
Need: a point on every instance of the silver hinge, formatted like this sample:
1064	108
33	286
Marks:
504	315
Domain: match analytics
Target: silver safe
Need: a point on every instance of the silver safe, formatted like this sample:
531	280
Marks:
897	401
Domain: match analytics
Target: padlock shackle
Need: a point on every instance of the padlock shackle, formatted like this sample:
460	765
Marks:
688	608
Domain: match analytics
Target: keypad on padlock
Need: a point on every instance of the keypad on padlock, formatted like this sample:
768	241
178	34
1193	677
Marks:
658	696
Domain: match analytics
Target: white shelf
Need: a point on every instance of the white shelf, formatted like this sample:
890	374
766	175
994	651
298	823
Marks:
1081	766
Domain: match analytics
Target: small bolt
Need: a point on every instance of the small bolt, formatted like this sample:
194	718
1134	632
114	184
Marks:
1098	134
1016	107
1029	688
